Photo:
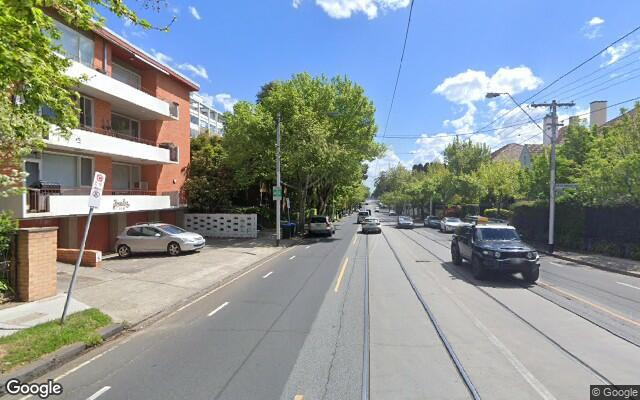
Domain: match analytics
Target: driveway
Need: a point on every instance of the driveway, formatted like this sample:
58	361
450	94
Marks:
138	287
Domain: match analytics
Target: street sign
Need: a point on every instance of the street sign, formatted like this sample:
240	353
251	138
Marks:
563	186
277	192
96	189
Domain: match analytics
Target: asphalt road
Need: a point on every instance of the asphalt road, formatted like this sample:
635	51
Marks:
386	315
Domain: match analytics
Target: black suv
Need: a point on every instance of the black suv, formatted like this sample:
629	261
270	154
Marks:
494	248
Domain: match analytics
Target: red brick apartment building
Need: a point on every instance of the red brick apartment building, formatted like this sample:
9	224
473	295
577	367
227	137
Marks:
134	128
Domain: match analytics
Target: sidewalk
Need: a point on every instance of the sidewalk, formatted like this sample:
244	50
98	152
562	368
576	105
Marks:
613	264
136	288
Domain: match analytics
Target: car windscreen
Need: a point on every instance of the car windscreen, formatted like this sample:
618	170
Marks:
363	213
371	220
171	229
452	219
497	234
318	220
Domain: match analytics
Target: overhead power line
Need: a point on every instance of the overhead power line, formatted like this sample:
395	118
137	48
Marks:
395	87
572	70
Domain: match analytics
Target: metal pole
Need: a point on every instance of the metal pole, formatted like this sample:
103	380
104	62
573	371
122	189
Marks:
75	269
552	176
553	106
278	200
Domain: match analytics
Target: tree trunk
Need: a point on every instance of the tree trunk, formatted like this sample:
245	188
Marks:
431	205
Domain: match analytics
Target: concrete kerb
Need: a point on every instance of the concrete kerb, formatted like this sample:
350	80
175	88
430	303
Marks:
38	368
590	264
68	353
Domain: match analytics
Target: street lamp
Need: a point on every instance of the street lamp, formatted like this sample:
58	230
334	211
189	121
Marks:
491	95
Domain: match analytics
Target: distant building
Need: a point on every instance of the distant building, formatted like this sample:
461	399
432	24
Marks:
204	117
508	152
529	151
598	113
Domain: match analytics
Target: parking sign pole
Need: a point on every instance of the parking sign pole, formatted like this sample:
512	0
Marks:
94	202
279	197
75	269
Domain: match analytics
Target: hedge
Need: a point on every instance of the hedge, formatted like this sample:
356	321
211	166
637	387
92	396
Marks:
493	213
610	231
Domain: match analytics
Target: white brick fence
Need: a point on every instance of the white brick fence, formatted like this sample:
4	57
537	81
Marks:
223	225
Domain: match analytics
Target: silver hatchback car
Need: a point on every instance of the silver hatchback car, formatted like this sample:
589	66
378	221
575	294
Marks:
157	237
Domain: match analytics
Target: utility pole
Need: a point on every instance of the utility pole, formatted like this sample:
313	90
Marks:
553	106
278	183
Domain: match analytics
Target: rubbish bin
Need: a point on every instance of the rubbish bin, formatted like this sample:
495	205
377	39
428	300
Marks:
288	229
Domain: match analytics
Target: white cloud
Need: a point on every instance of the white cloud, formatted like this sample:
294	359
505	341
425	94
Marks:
471	85
591	28
388	160
618	51
595	21
163	58
127	22
226	101
346	8
197	70
194	13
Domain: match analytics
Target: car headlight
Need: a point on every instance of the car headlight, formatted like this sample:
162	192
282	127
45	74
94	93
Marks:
531	255
497	254
486	252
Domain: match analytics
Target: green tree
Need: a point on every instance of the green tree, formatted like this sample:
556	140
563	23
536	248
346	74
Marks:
328	131
209	183
611	171
465	157
501	180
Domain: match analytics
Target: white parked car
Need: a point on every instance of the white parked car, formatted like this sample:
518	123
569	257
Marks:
321	225
157	237
371	224
449	224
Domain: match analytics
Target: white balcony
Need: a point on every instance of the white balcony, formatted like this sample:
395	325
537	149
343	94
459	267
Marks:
107	143
40	203
122	97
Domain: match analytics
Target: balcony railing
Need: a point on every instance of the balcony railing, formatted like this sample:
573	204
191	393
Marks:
107	130
38	199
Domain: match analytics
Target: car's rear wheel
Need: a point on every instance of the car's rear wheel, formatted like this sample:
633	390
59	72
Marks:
532	275
477	270
124	251
173	249
455	254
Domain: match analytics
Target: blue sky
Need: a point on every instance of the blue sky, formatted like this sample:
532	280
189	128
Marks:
457	50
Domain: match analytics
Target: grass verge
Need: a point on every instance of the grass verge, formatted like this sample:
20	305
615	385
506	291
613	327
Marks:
32	343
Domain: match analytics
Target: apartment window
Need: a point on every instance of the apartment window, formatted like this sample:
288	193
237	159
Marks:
194	119
125	125
76	46
204	111
67	170
194	132
125	176
125	75
47	113
193	106
86	111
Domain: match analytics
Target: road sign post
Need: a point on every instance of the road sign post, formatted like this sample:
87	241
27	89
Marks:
94	202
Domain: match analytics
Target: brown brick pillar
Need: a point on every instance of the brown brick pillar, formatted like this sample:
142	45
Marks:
36	263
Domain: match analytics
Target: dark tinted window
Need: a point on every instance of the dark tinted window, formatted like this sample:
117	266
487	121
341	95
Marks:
318	220
134	232
172	229
149	231
497	234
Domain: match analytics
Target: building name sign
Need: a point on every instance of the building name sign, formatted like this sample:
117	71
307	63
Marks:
120	205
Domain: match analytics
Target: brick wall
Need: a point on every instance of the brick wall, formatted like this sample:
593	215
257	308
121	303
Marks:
36	263
90	258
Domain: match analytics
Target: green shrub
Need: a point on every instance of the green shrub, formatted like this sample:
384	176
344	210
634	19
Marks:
493	213
7	228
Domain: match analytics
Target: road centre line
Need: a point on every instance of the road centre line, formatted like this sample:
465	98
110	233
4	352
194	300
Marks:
220	307
355	236
99	393
292	257
299	397
626	284
307	247
267	275
342	269
599	307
